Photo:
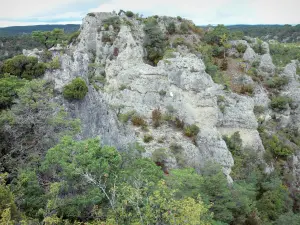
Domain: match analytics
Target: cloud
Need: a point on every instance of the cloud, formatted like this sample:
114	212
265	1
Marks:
200	11
15	9
214	11
8	23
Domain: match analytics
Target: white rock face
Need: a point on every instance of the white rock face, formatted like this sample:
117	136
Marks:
266	65
179	82
250	55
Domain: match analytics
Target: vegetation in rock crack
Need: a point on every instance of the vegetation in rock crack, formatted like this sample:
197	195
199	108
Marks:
76	89
154	42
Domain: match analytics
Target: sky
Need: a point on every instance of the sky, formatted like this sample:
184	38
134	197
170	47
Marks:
202	12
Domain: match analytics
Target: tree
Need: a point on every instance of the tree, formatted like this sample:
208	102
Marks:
32	126
8	209
9	86
24	67
49	38
216	34
77	89
274	198
215	190
85	173
171	28
154	42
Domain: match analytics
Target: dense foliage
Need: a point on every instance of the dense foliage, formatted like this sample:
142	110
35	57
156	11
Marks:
9	86
282	54
22	66
21	30
282	33
12	46
155	42
49	38
77	89
48	176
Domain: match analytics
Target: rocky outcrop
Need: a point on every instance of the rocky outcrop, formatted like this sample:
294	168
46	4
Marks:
178	82
249	55
266	65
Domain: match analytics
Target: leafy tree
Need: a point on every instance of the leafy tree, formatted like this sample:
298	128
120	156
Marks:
234	143
241	48
159	207
129	14
288	218
49	38
24	67
215	190
32	126
8	209
9	86
274	198
30	194
186	181
85	173
171	28
154	42
216	36
77	89
280	102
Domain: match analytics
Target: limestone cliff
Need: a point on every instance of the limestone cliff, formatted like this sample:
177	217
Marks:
178	83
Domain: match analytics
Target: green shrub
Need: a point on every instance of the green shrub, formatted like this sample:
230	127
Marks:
241	48
147	138
247	89
179	123
184	27
123	87
113	21
91	14
138	121
171	28
162	93
283	53
276	146
217	51
224	64
258	48
156	117
159	155
54	64
77	89
179	18
277	82
73	37
214	36
24	67
106	38
234	143
129	14
9	86
298	70
125	117
255	64
252	72
154	42
178	41
177	151
259	109
280	102
45	56
191	130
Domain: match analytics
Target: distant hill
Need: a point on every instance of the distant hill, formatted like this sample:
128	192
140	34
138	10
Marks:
20	30
282	33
